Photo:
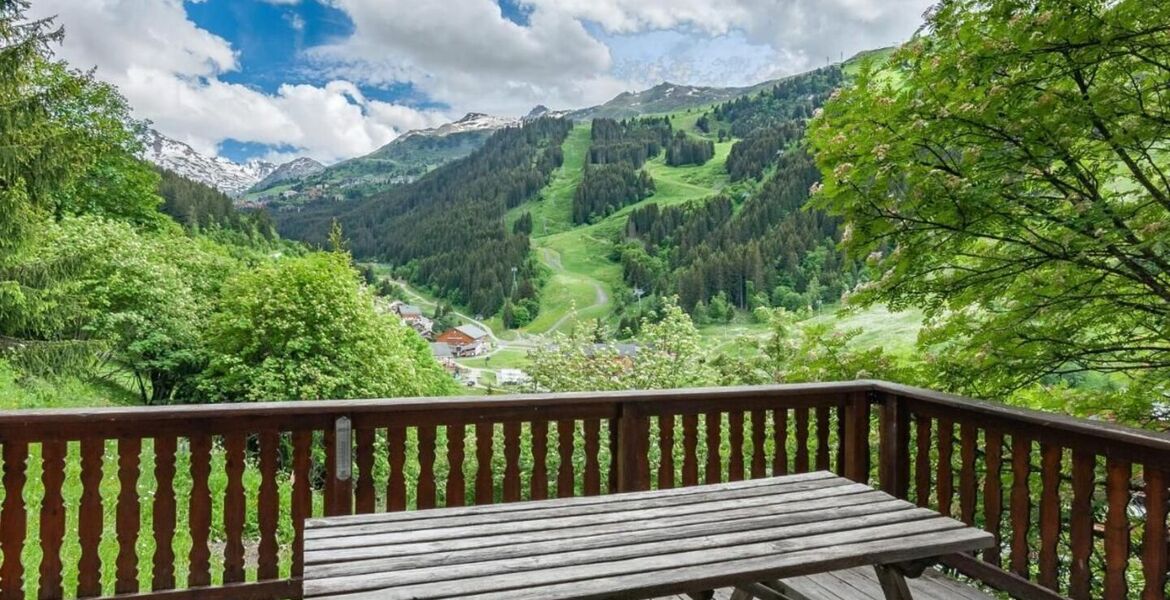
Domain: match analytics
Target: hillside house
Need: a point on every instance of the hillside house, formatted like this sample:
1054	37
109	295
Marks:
466	340
445	356
413	316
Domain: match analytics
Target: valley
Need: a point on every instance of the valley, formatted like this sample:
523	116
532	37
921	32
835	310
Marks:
697	231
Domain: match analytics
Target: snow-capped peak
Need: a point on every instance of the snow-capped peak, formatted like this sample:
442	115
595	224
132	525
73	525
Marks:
297	168
229	177
541	110
470	122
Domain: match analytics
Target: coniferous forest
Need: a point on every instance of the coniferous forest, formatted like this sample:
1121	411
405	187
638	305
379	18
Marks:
446	231
613	175
766	250
685	150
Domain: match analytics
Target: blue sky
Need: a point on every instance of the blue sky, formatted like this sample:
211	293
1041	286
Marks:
333	79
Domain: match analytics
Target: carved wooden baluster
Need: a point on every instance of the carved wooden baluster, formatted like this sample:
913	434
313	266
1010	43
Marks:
843	439
1049	515
801	463
1021	504
780	440
364	502
426	466
666	452
613	458
993	495
565	477
456	484
396	483
13	520
163	575
735	462
946	474
539	460
52	525
823	449
199	512
592	457
1154	561
127	519
968	440
329	499
483	459
268	507
690	471
714	424
1117	529
512	431
922	481
89	519
1081	525
759	458
233	508
302	496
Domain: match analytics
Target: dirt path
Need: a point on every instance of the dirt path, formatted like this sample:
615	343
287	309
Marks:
553	259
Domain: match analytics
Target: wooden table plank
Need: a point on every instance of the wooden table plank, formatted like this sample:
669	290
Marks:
638	545
334	526
456	550
401	535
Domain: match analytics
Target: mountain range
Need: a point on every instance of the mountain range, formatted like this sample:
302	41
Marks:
408	156
220	173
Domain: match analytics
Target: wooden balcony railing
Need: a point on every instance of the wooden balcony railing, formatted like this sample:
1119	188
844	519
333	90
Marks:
208	501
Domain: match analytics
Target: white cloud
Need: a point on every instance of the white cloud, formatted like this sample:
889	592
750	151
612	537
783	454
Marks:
464	53
168	68
801	33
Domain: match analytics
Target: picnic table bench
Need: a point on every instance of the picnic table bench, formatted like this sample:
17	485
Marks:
747	535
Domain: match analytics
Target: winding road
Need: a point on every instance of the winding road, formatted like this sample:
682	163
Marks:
553	259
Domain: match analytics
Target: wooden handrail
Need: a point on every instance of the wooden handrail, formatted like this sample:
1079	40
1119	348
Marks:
1024	417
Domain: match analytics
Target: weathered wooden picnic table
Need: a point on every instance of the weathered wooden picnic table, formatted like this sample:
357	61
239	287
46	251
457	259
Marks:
747	535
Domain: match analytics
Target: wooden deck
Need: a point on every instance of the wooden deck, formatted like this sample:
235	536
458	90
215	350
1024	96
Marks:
861	584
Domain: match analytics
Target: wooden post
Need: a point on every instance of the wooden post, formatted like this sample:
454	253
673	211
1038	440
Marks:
633	466
857	438
894	445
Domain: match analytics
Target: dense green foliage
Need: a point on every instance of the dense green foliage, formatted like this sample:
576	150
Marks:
198	206
760	249
446	231
99	284
793	99
632	141
67	145
768	252
666	354
686	150
1015	185
605	188
102	290
757	151
613	177
302	328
